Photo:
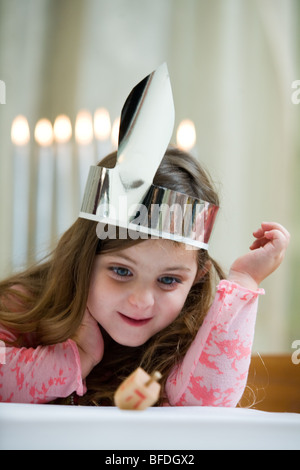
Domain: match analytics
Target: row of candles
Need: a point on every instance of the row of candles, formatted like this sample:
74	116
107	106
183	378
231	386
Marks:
59	160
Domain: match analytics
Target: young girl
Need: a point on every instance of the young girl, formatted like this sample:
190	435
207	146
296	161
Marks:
79	324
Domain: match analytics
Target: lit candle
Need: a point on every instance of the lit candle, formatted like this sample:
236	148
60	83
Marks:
20	136
115	133
65	208
186	135
86	155
102	130
45	180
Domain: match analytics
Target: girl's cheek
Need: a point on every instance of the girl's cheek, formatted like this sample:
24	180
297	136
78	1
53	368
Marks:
177	304
173	308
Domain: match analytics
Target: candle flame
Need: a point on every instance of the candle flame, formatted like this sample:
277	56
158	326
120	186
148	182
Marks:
102	124
186	135
20	133
62	129
84	128
115	132
43	132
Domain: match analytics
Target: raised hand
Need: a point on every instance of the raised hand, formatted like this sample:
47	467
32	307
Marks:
266	255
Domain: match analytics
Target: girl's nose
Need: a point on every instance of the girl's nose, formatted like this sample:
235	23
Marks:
141	298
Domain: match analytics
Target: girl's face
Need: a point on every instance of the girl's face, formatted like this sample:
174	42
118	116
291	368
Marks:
136	292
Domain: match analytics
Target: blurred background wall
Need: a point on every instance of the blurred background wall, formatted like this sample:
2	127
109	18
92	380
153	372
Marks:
232	65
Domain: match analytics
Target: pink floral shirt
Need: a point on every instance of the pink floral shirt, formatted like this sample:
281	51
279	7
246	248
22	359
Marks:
213	373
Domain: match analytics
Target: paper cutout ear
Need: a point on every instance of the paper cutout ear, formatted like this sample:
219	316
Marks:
146	127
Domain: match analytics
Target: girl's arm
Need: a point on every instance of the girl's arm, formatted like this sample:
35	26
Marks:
39	375
215	369
42	374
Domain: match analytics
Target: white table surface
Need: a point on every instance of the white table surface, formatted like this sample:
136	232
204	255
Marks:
63	427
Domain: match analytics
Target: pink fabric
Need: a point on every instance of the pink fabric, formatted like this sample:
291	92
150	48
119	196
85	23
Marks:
40	375
213	373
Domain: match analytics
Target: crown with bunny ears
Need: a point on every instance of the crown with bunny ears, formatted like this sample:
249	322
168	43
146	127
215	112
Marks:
124	196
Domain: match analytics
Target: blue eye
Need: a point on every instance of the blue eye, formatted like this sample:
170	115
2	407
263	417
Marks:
121	272
169	281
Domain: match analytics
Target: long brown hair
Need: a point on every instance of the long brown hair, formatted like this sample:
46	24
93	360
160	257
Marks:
52	296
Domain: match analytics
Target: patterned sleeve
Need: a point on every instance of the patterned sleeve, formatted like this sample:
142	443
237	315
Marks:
214	371
38	375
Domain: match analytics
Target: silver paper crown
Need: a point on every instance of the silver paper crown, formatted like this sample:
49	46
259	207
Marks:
124	196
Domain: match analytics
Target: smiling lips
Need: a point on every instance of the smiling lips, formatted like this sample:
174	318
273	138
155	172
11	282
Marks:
134	322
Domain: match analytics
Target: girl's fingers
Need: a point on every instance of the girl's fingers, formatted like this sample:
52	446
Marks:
268	228
261	242
270	232
259	233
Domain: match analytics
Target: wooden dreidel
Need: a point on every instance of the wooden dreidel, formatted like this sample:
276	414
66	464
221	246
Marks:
138	391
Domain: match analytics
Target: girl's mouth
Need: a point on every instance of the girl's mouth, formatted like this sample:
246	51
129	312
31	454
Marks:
133	321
